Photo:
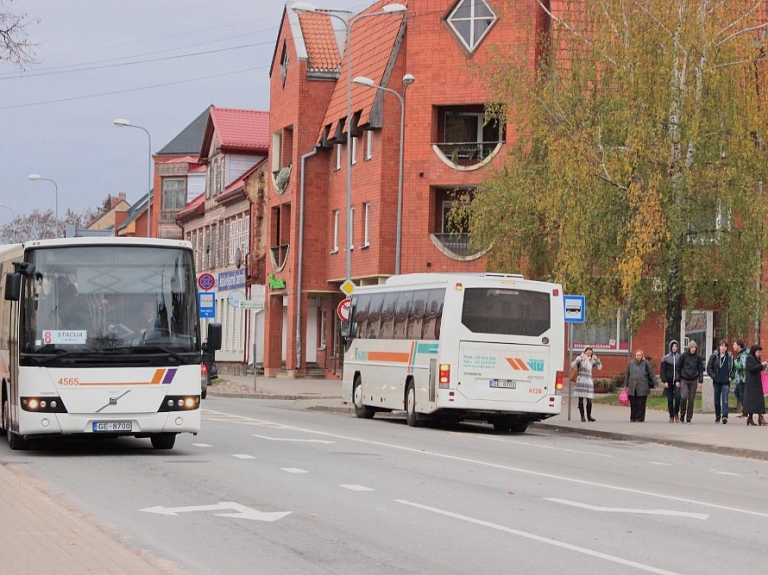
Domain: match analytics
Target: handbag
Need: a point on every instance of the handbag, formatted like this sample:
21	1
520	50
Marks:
764	381
624	397
574	373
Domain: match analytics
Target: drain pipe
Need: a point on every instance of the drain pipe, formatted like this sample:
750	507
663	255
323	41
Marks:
299	274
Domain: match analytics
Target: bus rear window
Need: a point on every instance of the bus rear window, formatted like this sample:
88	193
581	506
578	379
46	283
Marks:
506	311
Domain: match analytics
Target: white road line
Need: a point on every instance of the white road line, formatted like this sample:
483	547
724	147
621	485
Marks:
670	512
660	463
293	470
727	473
293	440
243	456
540	539
532	473
540	446
202	445
356	487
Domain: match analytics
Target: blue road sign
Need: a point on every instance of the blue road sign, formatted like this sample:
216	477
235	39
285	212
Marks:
207	304
575	308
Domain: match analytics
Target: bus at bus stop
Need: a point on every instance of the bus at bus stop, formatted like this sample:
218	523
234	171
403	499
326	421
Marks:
485	347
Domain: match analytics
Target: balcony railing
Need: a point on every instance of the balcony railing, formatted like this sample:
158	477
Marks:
456	243
466	153
279	255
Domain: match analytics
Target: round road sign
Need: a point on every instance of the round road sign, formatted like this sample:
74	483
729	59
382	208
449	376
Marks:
206	281
342	310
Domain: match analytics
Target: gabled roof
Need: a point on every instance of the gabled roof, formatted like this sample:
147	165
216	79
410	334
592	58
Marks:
195	207
189	139
245	131
320	40
375	43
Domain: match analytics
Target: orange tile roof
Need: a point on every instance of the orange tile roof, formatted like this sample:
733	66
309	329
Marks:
196	206
320	41
240	130
373	40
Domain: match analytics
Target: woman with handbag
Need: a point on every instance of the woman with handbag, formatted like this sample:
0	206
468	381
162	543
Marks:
585	386
754	402
638	382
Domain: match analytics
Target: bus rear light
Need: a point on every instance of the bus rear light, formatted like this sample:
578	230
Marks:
559	382
444	377
43	404
180	403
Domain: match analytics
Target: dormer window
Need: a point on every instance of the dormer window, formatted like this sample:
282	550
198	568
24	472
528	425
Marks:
470	21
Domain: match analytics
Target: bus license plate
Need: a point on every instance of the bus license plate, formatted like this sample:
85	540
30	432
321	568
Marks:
505	383
112	426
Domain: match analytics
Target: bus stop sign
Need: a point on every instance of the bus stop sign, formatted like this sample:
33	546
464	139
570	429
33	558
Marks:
575	308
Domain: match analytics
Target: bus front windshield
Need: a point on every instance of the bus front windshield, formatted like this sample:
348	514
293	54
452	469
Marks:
97	298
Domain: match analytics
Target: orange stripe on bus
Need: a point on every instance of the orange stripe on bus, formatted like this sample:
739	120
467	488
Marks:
517	363
158	377
388	356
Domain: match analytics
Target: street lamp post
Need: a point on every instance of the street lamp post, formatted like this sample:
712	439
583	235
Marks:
408	79
301	7
35	177
9	208
120	122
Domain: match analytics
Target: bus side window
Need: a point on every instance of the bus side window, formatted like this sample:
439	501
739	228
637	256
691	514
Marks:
387	329
374	316
401	314
434	314
360	320
416	313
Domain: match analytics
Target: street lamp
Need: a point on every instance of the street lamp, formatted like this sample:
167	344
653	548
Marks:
9	208
120	122
408	79
35	177
302	7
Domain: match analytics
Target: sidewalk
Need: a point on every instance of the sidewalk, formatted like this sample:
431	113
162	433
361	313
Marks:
703	434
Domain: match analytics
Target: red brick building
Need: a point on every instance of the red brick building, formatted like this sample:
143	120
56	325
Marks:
448	150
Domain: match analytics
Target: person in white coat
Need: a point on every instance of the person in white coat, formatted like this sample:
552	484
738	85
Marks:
585	385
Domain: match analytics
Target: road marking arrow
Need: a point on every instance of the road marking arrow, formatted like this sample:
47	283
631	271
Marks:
242	512
702	516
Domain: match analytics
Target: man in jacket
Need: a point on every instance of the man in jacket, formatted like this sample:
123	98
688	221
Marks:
668	374
690	374
720	369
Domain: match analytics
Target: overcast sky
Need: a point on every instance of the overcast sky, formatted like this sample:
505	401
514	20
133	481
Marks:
157	63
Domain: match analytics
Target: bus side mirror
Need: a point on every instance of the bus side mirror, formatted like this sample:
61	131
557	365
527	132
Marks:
214	336
13	286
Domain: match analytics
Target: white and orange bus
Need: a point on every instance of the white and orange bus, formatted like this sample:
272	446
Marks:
486	347
100	336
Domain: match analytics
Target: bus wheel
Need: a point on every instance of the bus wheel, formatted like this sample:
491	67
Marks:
163	440
361	411
414	419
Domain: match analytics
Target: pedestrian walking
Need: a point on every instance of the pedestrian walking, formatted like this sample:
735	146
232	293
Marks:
585	385
668	373
754	402
720	369
690	375
740	354
638	382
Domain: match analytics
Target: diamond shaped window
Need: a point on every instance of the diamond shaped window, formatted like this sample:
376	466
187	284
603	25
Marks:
470	21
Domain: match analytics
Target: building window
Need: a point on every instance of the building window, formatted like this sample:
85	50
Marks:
215	177
465	135
354	150
366	224
338	156
284	61
335	231
174	194
368	144
470	21
611	335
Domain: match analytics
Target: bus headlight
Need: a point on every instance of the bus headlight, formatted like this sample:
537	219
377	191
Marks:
43	404
180	403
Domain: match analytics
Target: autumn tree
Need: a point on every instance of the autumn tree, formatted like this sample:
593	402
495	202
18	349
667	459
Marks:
43	225
637	174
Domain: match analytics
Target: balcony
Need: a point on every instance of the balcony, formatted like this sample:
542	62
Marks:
466	156
456	246
279	255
